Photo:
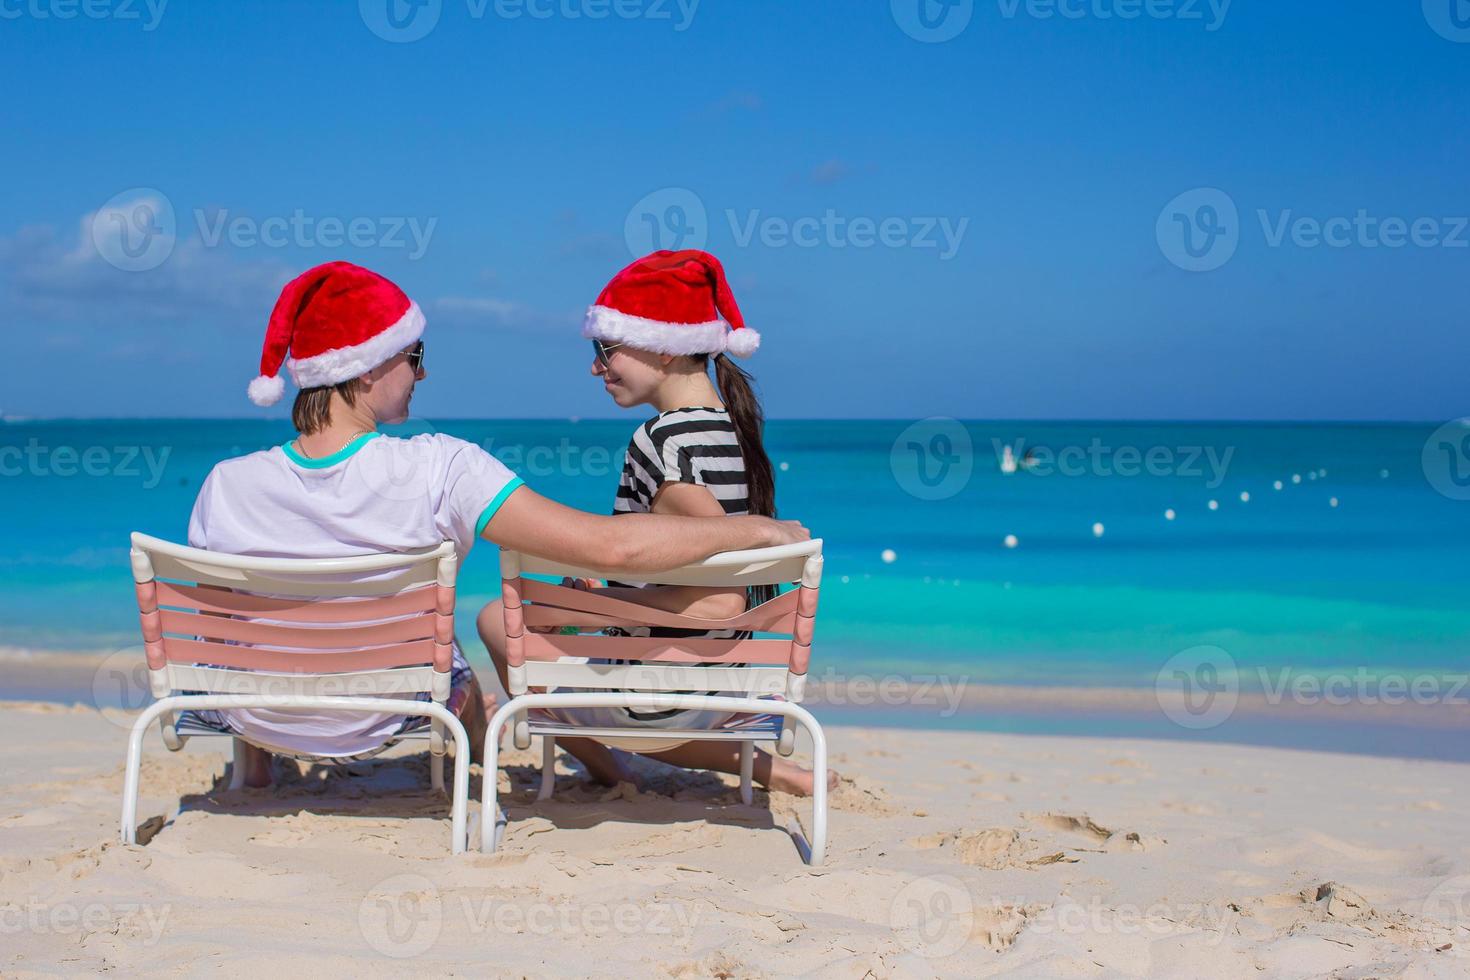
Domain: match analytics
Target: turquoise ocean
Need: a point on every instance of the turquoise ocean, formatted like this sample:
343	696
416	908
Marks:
1357	564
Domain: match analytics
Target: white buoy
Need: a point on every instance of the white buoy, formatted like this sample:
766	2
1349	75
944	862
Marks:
1169	514
1097	530
845	580
1296	478
1214	505
1245	496
1010	542
1322	472
785	466
1383	474
1312	475
1277	485
889	556
1332	502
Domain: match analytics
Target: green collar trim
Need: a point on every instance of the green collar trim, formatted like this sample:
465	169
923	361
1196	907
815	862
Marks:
346	452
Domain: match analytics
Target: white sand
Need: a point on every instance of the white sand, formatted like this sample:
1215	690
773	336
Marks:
951	855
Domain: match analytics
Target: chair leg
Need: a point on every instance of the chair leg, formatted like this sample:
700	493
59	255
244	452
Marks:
492	820
237	768
436	772
548	768
747	772
818	840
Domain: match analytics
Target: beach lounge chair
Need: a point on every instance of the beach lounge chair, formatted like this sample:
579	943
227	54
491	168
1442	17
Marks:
356	634
763	698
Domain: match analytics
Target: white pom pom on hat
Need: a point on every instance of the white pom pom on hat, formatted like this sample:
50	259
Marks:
266	390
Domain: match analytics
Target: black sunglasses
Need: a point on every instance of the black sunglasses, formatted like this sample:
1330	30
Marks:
416	357
604	352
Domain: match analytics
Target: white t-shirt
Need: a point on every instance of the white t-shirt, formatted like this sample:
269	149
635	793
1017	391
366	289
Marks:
378	494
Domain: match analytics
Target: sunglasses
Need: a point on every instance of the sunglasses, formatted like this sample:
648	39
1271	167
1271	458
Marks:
604	352
416	357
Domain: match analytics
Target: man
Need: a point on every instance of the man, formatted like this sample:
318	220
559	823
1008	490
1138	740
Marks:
353	344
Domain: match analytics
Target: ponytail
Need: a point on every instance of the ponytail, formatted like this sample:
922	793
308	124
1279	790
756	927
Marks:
750	423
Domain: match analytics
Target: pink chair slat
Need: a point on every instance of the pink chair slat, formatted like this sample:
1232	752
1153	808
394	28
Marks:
208	599
551	616
773	616
801	657
515	624
149	622
319	638
805	617
416	654
551	646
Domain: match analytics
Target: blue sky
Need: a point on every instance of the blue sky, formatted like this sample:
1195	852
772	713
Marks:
987	219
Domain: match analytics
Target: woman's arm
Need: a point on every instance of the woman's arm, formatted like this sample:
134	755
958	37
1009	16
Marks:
536	525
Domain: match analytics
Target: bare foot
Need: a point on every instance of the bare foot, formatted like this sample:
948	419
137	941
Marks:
787	777
606	766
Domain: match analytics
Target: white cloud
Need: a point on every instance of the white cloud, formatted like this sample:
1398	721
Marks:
72	282
482	311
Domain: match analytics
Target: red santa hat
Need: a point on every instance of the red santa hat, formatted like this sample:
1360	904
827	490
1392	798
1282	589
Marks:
333	323
672	303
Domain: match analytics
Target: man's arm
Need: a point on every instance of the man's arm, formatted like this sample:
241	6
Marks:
533	524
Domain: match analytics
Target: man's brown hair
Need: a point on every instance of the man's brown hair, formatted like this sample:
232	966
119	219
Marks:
313	408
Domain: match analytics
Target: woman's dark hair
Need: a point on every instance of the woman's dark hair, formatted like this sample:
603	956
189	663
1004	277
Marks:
313	407
749	419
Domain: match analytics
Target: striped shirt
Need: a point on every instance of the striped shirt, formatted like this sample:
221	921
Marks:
686	445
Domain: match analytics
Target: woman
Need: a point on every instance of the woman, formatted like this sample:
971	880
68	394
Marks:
655	329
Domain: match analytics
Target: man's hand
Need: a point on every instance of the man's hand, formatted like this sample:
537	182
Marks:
784	532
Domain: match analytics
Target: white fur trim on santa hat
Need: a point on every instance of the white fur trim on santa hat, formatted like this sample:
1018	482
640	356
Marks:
345	363
266	390
742	342
606	323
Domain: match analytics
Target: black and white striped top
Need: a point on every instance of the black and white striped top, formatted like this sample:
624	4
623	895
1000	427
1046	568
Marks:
686	445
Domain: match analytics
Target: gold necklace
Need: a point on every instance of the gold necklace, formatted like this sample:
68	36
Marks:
302	450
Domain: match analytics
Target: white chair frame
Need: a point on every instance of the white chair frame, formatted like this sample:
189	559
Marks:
656	685
422	582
